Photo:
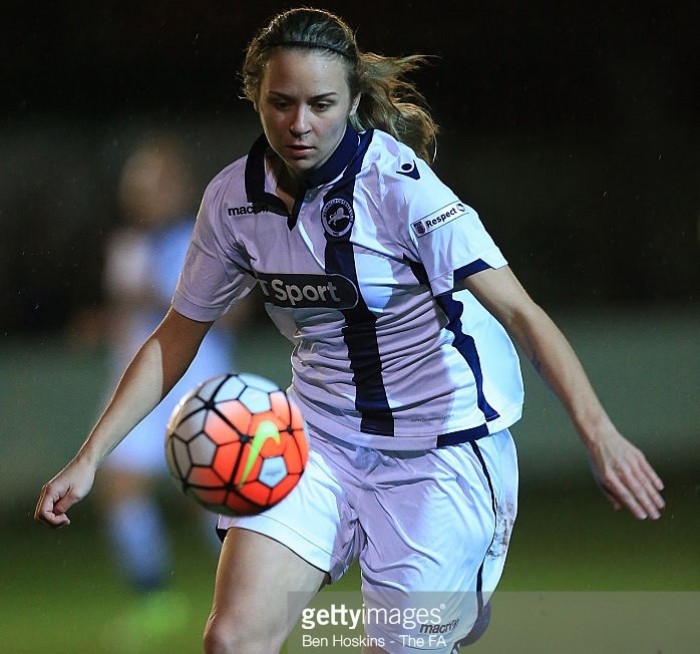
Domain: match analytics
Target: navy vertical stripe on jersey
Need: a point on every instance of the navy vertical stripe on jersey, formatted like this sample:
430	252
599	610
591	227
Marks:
467	348
359	333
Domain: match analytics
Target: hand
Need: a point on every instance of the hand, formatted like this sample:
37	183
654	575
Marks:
626	477
67	488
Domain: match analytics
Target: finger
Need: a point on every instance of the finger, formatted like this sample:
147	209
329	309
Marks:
41	506
625	497
656	480
640	495
635	507
643	482
50	517
57	520
48	511
648	493
650	474
640	502
65	503
640	466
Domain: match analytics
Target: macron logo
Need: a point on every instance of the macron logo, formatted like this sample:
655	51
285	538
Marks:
239	211
438	218
439	628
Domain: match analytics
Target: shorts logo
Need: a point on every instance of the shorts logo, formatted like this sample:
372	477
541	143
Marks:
309	291
439	628
439	218
337	216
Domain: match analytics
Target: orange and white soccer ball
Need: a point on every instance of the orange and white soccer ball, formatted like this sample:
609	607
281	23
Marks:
236	444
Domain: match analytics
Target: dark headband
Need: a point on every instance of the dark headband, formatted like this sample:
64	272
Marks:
310	44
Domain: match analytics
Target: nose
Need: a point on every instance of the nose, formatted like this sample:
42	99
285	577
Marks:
300	122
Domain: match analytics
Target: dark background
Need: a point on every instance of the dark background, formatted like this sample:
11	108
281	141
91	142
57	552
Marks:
571	127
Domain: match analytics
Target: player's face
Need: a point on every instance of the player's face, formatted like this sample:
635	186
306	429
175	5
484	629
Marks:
304	105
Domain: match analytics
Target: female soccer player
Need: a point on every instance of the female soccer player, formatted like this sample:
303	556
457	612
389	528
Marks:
399	305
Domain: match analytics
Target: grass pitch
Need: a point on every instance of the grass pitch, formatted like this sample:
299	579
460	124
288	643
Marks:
579	578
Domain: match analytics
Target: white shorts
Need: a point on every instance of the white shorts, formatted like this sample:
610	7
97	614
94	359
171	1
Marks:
428	528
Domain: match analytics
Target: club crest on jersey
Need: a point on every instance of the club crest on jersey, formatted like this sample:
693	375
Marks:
439	218
337	216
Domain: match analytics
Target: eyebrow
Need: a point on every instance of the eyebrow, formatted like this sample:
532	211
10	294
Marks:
315	98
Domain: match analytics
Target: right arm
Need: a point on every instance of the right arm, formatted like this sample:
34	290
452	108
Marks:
156	368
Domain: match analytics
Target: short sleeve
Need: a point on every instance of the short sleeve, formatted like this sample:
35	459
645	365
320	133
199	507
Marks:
212	277
445	235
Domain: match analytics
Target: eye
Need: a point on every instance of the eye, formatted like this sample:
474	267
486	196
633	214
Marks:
277	102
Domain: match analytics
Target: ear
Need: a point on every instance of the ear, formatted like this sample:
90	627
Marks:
255	100
355	104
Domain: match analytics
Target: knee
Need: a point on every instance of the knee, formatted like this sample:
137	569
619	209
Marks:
228	635
220	637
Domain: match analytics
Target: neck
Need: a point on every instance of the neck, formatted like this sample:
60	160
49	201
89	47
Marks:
288	185
287	181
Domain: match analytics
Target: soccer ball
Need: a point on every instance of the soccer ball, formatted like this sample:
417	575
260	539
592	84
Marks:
236	444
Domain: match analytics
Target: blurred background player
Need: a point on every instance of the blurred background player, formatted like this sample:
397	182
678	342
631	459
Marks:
143	260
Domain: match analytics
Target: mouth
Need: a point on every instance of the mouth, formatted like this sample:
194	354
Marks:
299	149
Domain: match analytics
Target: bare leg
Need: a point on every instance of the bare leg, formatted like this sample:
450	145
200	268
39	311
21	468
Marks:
261	589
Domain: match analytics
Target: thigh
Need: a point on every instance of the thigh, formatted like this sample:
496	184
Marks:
432	522
316	520
262	586
498	457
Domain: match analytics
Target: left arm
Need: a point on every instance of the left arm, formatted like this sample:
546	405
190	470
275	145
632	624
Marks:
620	468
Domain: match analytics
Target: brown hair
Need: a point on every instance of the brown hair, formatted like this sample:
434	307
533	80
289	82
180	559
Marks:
388	102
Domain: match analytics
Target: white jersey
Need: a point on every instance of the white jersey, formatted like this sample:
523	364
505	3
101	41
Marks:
360	278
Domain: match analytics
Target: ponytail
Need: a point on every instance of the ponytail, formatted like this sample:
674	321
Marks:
394	105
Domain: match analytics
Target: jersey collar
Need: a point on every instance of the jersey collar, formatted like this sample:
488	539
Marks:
255	171
337	162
